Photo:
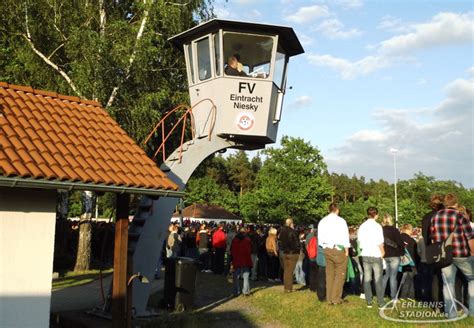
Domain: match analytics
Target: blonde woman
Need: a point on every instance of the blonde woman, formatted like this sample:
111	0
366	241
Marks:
394	248
272	251
409	271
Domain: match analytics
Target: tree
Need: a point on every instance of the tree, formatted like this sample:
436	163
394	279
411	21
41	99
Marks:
241	173
115	52
217	169
207	191
354	212
85	232
256	163
291	183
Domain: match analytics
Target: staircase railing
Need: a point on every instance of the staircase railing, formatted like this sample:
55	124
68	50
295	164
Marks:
188	115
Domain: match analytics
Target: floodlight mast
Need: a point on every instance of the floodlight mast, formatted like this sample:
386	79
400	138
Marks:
394	151
237	79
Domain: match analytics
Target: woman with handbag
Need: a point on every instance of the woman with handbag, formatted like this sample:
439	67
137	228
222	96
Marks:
408	263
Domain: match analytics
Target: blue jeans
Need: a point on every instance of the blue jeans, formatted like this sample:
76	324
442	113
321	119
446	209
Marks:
466	266
299	273
391	272
204	258
245	274
408	286
373	265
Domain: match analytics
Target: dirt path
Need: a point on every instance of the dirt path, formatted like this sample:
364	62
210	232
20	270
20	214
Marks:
215	298
214	306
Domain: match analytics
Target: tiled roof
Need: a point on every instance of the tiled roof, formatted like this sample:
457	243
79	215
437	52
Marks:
47	136
207	212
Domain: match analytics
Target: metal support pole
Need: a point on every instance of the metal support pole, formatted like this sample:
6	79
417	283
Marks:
394	152
119	289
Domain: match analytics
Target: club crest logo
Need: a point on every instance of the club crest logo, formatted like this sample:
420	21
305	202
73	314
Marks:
245	121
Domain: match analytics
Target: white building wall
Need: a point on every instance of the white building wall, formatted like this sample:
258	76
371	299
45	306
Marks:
27	225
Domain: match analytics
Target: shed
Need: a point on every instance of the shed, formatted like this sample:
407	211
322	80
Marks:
206	213
48	142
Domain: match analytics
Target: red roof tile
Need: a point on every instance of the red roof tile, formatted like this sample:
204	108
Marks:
47	136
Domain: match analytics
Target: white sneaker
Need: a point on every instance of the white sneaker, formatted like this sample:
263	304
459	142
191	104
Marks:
362	296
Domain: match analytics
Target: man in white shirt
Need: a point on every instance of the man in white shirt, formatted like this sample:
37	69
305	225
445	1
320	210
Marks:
333	237
370	237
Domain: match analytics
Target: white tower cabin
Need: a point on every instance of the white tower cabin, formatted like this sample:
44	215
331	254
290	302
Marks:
242	68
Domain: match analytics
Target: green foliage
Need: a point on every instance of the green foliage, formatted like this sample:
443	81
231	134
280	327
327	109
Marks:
413	197
207	191
97	57
74	205
291	183
241	173
106	205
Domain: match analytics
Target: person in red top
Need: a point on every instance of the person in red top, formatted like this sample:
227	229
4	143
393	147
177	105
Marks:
219	243
241	250
444	222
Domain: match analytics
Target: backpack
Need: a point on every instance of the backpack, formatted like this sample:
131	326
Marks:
320	259
312	248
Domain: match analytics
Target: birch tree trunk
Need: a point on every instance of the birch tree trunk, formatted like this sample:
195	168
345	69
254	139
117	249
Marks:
83	259
115	90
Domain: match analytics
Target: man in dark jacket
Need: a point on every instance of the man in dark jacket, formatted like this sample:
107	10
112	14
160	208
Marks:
254	240
202	241
290	246
394	246
241	250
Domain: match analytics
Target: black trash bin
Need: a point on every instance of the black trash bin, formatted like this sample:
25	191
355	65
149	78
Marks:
186	275
170	282
180	283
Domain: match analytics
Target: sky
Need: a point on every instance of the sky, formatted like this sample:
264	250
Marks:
378	75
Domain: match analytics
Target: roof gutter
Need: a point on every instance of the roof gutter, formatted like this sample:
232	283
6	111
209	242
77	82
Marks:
46	184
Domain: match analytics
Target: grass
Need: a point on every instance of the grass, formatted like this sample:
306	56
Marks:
70	279
270	307
301	309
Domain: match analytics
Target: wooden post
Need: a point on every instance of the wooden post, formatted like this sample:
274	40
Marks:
119	289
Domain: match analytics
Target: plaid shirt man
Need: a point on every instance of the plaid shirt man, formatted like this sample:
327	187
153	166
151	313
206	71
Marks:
449	220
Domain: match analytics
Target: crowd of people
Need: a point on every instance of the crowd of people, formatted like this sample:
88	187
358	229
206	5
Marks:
335	260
